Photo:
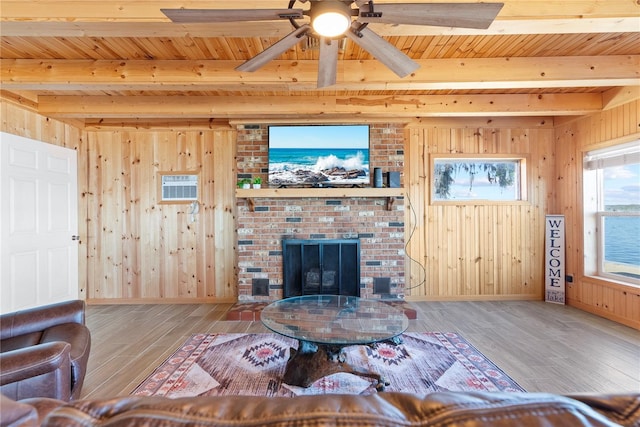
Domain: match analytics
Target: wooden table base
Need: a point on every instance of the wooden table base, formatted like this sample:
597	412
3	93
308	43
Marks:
310	362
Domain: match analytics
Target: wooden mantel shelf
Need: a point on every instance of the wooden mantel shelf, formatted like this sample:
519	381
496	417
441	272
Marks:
319	192
295	193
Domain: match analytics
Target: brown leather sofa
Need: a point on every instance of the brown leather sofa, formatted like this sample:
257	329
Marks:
44	351
480	409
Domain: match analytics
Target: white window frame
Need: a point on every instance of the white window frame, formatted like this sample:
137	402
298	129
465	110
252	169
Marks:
594	211
601	217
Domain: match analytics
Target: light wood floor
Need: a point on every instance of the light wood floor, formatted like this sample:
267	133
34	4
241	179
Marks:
544	347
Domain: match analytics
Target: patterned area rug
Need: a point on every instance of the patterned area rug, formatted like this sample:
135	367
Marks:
253	364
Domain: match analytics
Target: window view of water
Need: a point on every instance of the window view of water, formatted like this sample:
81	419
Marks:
621	184
622	245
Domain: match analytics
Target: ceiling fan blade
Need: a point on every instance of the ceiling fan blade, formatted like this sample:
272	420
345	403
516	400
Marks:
462	15
229	15
384	52
274	50
328	62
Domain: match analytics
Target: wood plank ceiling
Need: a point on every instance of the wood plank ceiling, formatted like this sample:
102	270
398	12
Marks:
116	62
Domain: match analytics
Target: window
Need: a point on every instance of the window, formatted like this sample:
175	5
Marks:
178	187
612	212
478	179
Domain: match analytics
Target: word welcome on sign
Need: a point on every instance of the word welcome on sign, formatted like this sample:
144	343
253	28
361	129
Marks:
554	259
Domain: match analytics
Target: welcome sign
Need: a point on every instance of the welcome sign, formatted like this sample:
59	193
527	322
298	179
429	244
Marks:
554	259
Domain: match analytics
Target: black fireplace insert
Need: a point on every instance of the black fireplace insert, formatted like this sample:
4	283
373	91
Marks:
324	266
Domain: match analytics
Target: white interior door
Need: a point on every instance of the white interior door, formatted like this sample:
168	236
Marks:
39	223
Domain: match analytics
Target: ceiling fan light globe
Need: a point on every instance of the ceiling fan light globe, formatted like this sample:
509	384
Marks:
331	24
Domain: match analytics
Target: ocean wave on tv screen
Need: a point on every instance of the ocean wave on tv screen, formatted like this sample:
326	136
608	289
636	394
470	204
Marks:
349	163
345	166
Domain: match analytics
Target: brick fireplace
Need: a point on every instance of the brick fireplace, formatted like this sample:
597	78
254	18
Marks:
265	222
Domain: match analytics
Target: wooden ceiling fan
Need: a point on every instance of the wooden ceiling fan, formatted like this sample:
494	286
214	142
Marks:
346	18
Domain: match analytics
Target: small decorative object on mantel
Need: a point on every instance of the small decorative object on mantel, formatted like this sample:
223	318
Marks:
257	183
244	183
377	178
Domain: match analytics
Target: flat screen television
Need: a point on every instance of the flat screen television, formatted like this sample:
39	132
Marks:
319	155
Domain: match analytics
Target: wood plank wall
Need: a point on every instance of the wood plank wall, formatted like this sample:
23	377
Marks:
140	251
606	298
143	250
477	251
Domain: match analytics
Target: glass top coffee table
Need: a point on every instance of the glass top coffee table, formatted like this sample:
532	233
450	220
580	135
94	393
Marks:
324	325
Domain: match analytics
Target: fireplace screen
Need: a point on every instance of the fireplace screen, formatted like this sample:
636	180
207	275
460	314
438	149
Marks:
314	267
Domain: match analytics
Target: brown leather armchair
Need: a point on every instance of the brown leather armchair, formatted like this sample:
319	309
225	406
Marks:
44	351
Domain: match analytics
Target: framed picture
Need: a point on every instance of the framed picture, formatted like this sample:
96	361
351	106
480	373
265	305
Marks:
478	178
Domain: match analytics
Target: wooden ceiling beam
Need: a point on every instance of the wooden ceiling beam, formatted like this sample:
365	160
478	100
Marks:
147	124
16	99
354	107
282	75
208	123
74	28
618	96
144	10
